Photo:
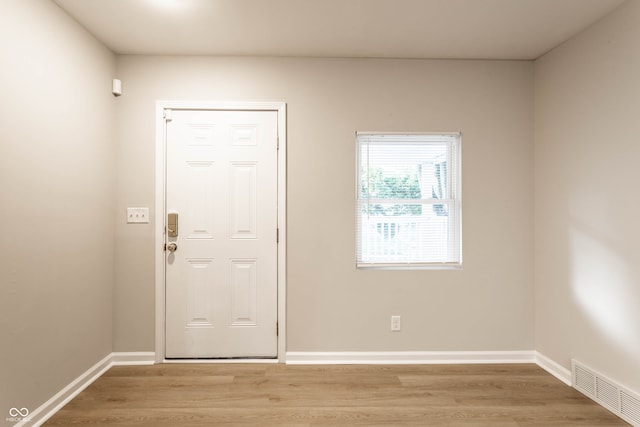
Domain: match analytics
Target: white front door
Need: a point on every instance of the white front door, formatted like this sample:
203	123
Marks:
221	279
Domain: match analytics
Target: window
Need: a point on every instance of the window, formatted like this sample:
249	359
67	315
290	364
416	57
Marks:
408	200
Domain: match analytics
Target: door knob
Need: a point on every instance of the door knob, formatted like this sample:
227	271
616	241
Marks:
172	247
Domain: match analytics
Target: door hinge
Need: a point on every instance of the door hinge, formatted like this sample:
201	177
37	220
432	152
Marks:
277	329
277	235
277	142
167	114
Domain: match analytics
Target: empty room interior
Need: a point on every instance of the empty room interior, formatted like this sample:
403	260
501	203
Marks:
534	103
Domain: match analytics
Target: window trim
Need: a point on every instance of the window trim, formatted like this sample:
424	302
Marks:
456	199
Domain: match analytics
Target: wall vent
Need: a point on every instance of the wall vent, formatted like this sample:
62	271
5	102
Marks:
613	396
630	408
584	380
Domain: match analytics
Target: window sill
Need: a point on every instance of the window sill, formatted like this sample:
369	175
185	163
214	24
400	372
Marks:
416	266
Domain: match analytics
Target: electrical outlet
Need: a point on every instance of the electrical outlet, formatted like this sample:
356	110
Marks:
137	215
395	323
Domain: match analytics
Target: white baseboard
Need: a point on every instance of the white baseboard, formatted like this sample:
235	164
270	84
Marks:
45	411
133	358
409	357
53	405
555	369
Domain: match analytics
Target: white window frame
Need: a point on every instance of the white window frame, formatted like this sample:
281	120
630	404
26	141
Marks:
454	184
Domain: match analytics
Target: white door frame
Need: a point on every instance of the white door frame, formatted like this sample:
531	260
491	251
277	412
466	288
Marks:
160	209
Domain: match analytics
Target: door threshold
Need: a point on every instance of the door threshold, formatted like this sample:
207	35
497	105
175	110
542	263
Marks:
224	360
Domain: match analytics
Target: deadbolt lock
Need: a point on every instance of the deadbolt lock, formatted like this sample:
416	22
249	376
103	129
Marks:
172	225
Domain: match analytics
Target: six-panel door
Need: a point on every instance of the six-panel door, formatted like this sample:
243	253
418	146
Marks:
221	281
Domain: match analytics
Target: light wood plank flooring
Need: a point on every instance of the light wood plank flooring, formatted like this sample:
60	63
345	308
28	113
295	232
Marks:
331	395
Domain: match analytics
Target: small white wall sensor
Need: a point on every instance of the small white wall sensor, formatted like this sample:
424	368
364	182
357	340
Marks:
116	87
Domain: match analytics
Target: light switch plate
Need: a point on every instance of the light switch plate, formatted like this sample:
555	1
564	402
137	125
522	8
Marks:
137	215
395	324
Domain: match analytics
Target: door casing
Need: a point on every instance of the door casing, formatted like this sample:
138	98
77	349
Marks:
161	214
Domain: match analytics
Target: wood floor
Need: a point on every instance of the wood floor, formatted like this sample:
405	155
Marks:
331	395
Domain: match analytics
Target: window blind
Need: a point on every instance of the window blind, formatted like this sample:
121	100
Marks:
408	211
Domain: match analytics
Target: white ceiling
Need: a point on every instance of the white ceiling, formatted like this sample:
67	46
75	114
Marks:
464	29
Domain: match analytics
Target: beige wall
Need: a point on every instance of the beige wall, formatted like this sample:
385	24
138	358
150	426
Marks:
56	202
332	306
587	101
76	286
